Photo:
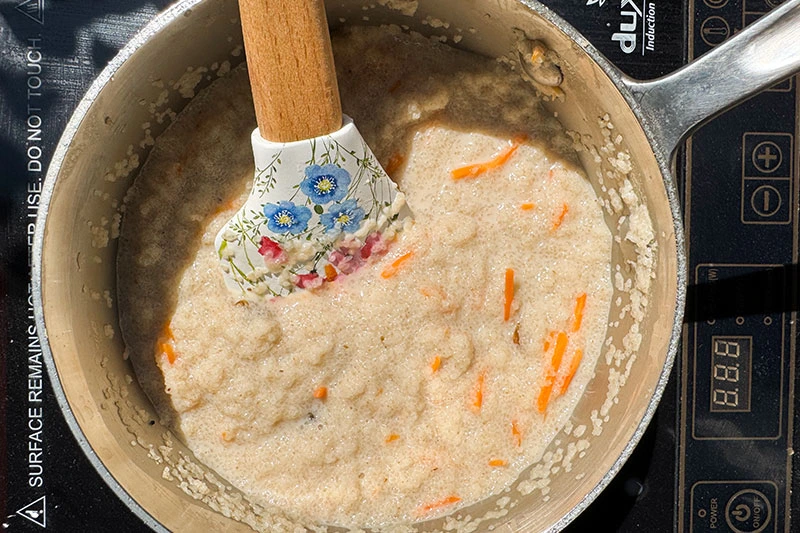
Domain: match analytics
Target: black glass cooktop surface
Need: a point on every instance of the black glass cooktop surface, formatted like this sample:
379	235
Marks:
717	456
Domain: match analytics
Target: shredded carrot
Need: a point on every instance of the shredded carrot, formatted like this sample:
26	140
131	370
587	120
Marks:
580	303
436	364
498	462
516	433
395	162
165	344
392	269
509	293
169	351
330	272
477	396
527	206
515	335
560	218
227	437
558	352
392	437
537	53
427	508
573	367
395	86
321	393
544	397
550	376
471	171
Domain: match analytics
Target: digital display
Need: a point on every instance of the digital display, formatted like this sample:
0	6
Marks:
731	362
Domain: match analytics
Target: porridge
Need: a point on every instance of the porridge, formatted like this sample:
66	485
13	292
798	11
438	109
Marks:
427	371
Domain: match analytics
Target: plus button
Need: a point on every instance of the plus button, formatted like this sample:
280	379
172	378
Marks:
767	157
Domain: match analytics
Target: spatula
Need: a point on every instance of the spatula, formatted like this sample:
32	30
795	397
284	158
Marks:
321	203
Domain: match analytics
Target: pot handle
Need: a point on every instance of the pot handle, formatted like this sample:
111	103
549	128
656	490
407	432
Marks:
759	56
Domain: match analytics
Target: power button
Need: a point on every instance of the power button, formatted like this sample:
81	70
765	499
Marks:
734	507
748	511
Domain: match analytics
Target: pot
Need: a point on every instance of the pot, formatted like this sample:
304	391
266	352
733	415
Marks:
130	103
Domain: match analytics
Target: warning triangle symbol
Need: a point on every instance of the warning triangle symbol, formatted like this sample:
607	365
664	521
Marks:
33	9
35	512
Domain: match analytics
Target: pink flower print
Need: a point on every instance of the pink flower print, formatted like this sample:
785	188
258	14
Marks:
272	251
374	245
344	261
312	280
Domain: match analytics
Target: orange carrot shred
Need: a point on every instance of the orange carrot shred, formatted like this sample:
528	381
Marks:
558	352
516	433
544	397
580	303
402	259
527	206
227	437
427	508
321	393
165	346
573	367
547	388
392	437
477	397
330	272
395	86
560	218
498	462
169	351
509	293
472	171
392	269
394	163
436	364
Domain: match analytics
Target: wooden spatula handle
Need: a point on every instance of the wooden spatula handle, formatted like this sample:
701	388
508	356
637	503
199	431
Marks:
290	62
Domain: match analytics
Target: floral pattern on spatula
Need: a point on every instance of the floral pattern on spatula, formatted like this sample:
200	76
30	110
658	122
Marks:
337	213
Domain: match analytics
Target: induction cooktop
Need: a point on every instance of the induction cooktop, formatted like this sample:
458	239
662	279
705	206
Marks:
718	454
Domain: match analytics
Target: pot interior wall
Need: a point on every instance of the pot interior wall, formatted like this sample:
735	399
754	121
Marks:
110	143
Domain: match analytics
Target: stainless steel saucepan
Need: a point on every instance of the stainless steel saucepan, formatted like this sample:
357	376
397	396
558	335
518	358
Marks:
131	102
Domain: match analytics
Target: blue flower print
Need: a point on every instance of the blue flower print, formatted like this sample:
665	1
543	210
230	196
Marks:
345	216
324	184
285	217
